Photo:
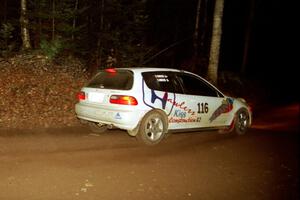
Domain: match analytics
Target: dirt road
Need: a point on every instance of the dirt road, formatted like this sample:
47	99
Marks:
71	163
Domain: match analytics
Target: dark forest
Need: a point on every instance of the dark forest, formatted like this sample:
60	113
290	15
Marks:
131	33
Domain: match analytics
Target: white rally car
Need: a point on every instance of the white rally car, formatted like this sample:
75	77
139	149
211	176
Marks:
150	102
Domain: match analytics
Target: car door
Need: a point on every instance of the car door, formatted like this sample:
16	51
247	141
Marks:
199	103
159	90
164	91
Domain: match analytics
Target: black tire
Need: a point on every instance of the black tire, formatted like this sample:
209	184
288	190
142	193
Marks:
97	128
241	121
153	127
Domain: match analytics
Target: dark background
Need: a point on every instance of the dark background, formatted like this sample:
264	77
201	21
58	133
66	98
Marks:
256	41
270	57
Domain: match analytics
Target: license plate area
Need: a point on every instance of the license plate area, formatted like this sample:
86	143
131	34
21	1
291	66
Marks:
95	97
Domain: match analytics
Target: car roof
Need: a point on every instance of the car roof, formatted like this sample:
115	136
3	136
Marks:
148	69
139	70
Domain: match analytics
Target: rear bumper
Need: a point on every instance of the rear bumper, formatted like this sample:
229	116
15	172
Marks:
122	118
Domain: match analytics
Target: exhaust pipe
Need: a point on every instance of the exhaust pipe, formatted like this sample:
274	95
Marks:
110	126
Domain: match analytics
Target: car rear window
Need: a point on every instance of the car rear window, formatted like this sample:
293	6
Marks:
112	79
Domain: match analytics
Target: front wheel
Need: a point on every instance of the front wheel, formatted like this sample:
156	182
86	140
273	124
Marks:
241	121
153	127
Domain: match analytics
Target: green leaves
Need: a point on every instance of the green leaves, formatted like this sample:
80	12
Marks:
6	31
6	34
53	48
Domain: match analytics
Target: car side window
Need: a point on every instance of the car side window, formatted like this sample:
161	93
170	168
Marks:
195	86
162	81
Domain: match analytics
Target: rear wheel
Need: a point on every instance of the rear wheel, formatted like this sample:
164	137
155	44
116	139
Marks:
153	127
97	127
241	121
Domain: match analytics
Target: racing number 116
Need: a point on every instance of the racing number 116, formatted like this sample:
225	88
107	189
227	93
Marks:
202	107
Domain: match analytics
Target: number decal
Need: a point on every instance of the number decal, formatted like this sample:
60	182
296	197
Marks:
202	107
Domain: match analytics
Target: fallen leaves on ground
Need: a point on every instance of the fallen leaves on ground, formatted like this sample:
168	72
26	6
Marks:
38	93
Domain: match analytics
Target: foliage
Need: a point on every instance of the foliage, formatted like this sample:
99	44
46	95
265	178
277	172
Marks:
6	31
92	28
136	29
39	93
53	48
6	34
123	31
57	19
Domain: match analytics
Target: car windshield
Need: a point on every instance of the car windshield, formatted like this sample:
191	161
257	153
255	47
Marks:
112	79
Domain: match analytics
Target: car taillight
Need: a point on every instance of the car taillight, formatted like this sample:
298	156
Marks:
81	96
123	100
111	70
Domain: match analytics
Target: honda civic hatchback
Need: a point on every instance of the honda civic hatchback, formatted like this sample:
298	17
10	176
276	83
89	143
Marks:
151	102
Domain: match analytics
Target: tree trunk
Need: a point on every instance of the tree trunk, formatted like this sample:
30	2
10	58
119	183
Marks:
204	21
4	11
74	19
196	32
36	37
40	22
248	36
24	26
99	42
53	19
212	73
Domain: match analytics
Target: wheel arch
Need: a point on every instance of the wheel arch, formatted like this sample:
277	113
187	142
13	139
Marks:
135	131
165	118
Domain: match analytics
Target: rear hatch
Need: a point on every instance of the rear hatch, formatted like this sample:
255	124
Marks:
108	87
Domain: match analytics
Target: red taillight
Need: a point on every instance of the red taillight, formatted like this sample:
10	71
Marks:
80	96
111	70
123	100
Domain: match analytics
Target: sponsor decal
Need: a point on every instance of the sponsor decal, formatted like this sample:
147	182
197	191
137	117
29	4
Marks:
118	116
158	99
181	106
180	116
179	113
163	99
225	107
184	120
161	78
